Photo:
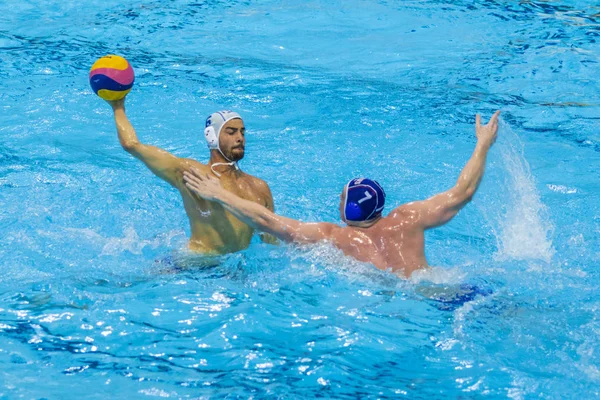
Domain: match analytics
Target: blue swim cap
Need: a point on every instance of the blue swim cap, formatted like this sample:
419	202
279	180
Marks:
365	200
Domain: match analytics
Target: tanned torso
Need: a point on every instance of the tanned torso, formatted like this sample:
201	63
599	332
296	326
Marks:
213	229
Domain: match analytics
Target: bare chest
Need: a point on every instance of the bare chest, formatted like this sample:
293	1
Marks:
203	210
244	188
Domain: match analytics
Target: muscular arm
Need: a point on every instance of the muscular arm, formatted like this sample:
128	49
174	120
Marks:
162	163
442	207
270	205
256	215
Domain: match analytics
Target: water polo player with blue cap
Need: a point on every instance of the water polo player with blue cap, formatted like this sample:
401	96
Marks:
396	241
364	200
213	230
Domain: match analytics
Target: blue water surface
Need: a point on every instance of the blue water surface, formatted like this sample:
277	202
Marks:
90	306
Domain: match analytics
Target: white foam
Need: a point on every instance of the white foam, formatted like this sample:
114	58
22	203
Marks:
132	243
562	189
324	257
439	276
112	246
525	229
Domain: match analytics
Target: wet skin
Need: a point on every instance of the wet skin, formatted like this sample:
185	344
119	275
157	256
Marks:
394	242
214	230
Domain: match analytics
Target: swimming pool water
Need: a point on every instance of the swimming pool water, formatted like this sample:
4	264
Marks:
90	306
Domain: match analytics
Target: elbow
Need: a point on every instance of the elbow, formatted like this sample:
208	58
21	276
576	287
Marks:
462	195
469	193
130	146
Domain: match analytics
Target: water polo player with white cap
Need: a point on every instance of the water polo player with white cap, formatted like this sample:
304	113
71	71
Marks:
396	241
212	133
213	229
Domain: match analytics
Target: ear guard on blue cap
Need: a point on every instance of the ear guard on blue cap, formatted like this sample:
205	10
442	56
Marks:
365	200
353	212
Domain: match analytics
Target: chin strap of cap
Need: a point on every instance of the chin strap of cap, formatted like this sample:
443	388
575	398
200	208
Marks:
234	164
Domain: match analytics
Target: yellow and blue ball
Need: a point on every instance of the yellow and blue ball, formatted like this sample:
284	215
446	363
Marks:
111	77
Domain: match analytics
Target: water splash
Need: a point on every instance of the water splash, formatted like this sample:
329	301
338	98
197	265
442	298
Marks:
525	230
439	276
112	246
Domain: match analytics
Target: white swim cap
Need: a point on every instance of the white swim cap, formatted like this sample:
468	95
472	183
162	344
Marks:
214	124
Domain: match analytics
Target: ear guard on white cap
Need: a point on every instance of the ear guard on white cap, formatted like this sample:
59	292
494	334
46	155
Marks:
214	124
211	137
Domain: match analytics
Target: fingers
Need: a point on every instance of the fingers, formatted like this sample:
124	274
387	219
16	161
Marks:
494	118
213	177
191	178
196	172
196	180
194	188
190	186
188	176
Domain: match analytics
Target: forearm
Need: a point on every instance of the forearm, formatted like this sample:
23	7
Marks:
471	175
127	135
442	207
256	216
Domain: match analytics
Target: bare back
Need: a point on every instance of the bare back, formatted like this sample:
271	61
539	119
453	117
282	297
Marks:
395	242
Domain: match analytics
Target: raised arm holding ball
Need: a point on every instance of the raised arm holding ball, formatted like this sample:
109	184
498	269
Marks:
214	230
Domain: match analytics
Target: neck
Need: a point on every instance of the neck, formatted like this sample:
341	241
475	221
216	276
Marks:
363	224
219	163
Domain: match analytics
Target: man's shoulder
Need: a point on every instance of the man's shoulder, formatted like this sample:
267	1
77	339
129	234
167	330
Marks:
332	230
191	163
405	213
186	164
258	183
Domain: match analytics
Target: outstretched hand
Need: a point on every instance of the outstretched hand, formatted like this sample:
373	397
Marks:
206	186
116	104
487	134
